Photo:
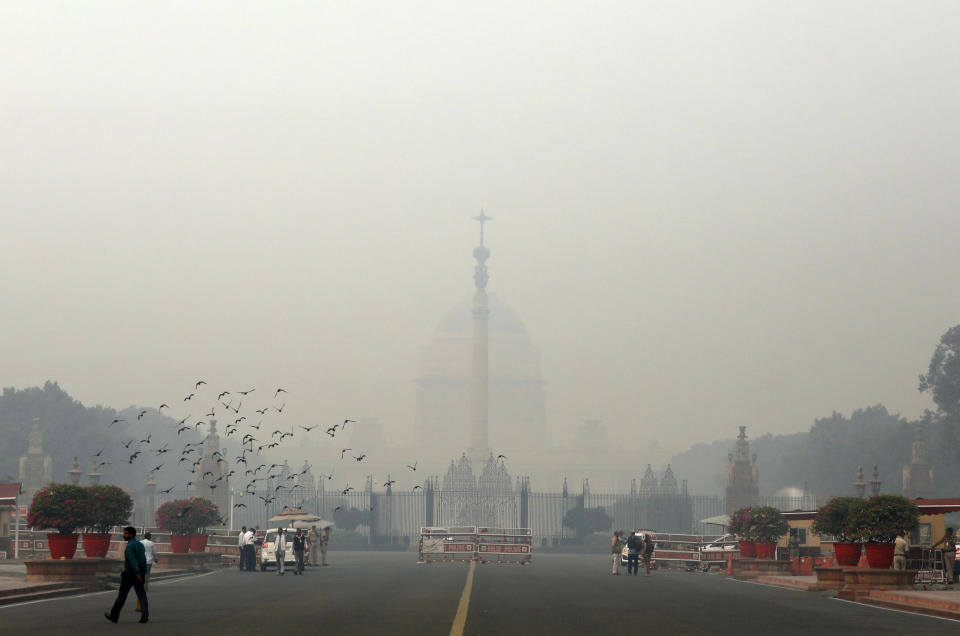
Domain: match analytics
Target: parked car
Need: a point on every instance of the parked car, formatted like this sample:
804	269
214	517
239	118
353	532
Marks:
268	556
712	553
625	552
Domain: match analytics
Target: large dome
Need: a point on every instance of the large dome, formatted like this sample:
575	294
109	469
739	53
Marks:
502	320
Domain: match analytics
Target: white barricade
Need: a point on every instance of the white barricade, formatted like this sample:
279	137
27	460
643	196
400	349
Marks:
505	545
448	544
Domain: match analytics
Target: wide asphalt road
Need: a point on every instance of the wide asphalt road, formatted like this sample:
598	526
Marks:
389	593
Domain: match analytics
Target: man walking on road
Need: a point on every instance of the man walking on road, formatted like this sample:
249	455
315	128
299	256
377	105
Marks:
280	549
299	545
134	569
616	546
241	542
634	545
150	552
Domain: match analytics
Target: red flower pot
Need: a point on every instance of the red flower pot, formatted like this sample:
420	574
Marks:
847	554
96	544
748	549
62	546
179	543
766	549
879	555
198	542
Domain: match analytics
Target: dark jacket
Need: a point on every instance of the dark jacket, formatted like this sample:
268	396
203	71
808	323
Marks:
298	544
135	558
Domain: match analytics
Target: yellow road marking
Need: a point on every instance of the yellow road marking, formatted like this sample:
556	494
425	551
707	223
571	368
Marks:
460	620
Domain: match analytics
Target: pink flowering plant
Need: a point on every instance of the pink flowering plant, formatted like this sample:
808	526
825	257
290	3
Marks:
187	516
833	518
767	523
740	522
108	506
62	507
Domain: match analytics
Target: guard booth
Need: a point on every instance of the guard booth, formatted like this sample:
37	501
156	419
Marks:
448	544
505	545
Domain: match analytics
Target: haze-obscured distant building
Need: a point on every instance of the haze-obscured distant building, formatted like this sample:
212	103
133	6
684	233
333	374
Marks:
918	474
742	476
36	468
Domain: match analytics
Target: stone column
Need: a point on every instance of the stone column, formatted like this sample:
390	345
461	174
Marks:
75	472
149	518
479	405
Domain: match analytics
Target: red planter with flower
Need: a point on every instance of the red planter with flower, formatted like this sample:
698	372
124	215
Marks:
62	545
766	549
748	549
879	555
62	507
198	542
179	543
847	553
185	520
96	544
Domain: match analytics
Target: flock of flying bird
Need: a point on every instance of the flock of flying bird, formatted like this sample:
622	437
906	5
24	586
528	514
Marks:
251	442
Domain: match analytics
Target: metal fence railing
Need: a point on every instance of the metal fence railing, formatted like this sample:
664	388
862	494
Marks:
386	517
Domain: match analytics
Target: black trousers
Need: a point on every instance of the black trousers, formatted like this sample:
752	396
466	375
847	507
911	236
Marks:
299	555
128	580
633	564
243	554
250	559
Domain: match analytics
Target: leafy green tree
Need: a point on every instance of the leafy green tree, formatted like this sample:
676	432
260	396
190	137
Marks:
942	382
584	521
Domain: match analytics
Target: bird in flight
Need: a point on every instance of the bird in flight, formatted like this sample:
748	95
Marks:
156	468
416	487
127	444
263	411
142	413
146	441
189	397
389	483
280	408
212	413
182	429
309	428
161	407
115	421
199	383
346	490
204	475
499	457
360	459
347	421
338	508
414	467
279	391
134	456
183	421
98	453
240	505
246	392
342	452
168	490
222	394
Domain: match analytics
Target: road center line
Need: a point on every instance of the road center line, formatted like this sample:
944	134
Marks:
460	620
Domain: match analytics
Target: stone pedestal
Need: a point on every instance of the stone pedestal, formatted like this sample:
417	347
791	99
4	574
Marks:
77	572
858	582
752	568
194	561
829	578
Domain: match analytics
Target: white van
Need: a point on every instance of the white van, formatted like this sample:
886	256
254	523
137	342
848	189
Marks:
268	555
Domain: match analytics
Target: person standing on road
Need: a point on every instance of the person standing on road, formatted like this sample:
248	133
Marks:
901	547
299	545
949	542
313	539
616	546
324	540
249	557
241	542
280	549
647	551
634	545
134	570
150	551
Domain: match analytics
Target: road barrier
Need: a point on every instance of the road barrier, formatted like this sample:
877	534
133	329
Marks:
470	543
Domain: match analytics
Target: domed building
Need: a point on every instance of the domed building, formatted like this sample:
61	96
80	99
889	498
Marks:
517	417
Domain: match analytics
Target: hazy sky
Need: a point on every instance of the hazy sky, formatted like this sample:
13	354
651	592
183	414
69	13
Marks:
708	214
